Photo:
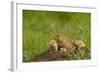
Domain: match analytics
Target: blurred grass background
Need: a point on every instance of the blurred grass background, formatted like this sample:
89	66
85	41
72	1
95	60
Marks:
39	27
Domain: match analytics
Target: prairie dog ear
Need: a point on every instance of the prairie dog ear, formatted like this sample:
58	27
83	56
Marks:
58	34
56	37
59	37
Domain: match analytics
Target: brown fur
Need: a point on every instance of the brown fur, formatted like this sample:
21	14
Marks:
78	43
63	42
52	45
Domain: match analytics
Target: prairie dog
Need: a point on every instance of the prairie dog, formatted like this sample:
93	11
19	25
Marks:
63	42
53	45
78	43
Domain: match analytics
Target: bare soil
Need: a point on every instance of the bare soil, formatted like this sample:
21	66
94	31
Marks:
54	56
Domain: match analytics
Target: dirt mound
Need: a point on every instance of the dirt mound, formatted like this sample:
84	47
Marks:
53	56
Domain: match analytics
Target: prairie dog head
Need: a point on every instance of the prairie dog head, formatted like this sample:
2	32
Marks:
53	45
78	43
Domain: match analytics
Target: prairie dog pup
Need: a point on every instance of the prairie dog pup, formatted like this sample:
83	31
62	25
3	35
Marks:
63	42
53	45
78	43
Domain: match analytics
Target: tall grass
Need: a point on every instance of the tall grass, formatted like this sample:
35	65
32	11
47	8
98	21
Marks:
41	26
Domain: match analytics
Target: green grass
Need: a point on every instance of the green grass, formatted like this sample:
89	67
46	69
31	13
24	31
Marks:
39	27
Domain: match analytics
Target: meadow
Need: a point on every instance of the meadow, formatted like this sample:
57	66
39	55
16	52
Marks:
39	27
